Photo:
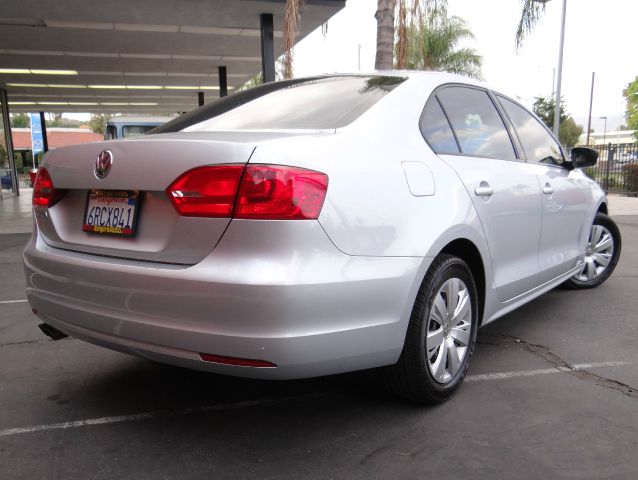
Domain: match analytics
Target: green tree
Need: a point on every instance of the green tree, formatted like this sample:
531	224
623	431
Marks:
3	155
545	107
97	123
20	120
631	96
432	45
61	122
569	131
57	120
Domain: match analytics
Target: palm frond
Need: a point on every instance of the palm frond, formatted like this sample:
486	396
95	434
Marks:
464	62
530	15
432	45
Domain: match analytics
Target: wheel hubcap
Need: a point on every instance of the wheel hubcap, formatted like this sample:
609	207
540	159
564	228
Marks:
598	254
449	329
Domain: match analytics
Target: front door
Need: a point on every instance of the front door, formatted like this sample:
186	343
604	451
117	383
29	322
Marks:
565	203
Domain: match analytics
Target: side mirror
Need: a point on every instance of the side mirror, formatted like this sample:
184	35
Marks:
583	157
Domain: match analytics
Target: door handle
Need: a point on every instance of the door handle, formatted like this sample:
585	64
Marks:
484	190
547	189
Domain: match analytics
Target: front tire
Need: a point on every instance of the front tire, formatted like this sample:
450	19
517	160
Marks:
441	334
601	256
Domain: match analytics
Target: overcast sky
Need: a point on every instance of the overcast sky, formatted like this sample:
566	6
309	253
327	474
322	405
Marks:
600	36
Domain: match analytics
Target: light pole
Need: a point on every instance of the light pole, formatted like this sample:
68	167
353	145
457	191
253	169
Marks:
559	77
560	70
591	103
607	160
605	129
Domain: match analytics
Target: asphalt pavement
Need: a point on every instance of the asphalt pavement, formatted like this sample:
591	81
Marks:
551	394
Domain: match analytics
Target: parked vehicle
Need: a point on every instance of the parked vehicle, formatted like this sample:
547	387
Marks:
124	126
316	226
627	157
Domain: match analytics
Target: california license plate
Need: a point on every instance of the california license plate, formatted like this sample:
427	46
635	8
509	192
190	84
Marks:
111	212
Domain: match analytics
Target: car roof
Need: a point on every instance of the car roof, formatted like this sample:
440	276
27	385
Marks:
442	77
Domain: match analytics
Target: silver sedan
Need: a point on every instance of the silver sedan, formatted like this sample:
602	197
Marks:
317	226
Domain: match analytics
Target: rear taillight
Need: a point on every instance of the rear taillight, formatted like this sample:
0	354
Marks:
264	192
280	193
44	193
206	191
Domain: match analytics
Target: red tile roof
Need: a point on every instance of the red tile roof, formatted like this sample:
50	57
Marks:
58	137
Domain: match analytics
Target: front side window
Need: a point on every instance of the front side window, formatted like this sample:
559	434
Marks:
436	129
477	124
539	146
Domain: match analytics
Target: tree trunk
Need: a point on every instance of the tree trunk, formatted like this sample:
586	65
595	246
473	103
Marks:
385	34
290	30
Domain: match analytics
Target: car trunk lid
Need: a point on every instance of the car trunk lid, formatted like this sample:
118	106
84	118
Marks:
147	165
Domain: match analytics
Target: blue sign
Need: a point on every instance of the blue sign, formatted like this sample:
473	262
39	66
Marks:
37	142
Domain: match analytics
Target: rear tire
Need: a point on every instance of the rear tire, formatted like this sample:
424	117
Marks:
601	257
441	335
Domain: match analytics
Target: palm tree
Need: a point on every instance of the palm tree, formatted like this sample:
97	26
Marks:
531	12
385	15
431	45
385	34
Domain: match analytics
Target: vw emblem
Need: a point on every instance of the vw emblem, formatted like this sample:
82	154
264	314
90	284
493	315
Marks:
103	164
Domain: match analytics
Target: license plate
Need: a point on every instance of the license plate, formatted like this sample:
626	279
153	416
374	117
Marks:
112	212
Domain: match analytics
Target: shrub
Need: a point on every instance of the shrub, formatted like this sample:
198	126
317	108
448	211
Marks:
631	177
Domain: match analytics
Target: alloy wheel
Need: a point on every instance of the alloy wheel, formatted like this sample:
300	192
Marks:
448	330
600	250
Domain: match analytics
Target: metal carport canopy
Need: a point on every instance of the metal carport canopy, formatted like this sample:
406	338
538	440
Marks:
135	56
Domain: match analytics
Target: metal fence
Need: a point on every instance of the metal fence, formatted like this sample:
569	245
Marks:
617	168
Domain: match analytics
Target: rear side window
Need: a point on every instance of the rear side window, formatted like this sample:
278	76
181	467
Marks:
436	129
539	146
320	103
477	124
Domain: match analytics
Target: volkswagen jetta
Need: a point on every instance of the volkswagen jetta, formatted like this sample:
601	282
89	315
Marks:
316	226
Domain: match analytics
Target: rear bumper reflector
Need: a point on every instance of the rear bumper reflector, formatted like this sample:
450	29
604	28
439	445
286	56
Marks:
239	362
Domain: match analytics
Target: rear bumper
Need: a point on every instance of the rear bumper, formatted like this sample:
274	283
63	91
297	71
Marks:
311	311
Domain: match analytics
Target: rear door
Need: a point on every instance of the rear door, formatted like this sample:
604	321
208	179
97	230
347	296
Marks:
503	189
565	202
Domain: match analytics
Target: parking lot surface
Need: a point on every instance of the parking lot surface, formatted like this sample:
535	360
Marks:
550	394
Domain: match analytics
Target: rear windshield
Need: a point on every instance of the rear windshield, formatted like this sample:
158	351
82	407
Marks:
319	103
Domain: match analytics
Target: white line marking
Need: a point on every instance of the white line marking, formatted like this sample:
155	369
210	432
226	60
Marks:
504	375
544	371
136	417
12	301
